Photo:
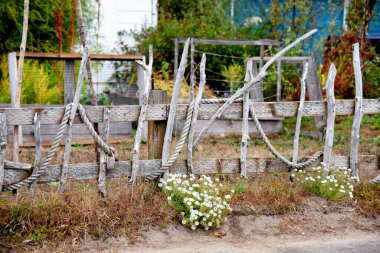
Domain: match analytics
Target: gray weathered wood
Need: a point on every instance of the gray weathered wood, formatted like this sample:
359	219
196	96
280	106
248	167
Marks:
354	148
74	107
141	121
15	102
87	171
331	111
76	57
174	104
156	129
192	69
103	157
265	42
279	88
314	93
175	56
245	132
122	113
17	166
38	152
69	82
256	93
299	118
3	144
197	101
285	59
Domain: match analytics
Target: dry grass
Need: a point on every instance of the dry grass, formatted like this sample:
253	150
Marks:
267	194
81	212
368	199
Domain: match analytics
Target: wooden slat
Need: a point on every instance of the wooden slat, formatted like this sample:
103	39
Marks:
3	144
94	57
201	166
286	59
265	42
38	152
52	115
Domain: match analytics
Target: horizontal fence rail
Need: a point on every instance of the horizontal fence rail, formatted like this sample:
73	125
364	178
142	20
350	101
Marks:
87	171
157	112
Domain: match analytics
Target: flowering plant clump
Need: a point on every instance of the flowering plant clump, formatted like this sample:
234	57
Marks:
330	184
200	201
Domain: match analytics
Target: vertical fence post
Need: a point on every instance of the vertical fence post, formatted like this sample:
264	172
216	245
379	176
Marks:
245	134
299	119
15	101
38	151
103	157
278	98
329	141
142	82
175	56
315	94
156	129
69	82
354	148
3	144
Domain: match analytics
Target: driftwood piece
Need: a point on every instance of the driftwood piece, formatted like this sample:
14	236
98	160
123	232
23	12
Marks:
247	86
17	166
197	101
3	144
141	121
329	88
103	156
38	152
174	104
299	119
299	114
69	81
87	171
74	107
245	133
354	148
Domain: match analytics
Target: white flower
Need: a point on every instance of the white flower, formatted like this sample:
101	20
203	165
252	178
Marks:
196	223
227	196
209	224
169	198
183	222
193	227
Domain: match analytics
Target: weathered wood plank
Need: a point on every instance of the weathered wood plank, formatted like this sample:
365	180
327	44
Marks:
3	144
285	59
156	129
329	141
70	56
52	115
38	153
69	82
354	148
265	42
201	166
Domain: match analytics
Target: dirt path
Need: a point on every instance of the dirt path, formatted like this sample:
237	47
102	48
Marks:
317	228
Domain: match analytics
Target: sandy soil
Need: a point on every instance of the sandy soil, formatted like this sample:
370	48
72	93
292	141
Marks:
319	226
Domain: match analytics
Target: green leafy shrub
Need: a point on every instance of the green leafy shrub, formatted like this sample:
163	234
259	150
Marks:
330	184
199	201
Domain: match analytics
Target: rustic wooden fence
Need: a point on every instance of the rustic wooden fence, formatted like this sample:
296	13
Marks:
161	116
157	114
